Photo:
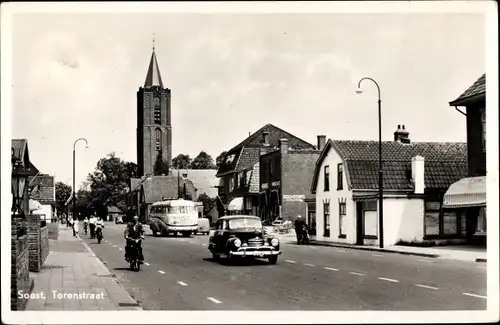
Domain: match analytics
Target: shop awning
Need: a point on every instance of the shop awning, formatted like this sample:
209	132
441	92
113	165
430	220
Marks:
467	192
236	204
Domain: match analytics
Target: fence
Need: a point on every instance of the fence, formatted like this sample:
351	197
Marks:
19	272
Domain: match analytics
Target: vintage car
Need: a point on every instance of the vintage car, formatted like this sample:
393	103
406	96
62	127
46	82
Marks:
243	236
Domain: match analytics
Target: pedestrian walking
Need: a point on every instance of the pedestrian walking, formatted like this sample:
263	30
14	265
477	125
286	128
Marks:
75	228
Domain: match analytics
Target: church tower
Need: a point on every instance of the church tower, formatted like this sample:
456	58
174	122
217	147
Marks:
154	128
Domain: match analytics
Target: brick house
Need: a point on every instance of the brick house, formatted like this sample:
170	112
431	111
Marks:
285	181
467	197
239	173
416	176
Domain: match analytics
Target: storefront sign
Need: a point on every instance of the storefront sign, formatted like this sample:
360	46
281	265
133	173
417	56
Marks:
293	198
265	186
275	184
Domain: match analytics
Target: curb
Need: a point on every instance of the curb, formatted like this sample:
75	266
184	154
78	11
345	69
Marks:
364	248
87	247
481	260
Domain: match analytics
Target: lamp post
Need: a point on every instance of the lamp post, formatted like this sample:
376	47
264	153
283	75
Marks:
380	171
74	189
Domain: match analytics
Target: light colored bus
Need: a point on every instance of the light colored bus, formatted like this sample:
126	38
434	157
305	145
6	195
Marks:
173	216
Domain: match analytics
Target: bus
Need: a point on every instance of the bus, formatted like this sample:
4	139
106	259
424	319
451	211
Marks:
173	216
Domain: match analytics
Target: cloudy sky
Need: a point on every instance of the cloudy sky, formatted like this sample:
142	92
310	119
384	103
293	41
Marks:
76	75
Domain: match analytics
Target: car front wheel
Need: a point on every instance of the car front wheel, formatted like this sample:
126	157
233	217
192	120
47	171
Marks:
273	259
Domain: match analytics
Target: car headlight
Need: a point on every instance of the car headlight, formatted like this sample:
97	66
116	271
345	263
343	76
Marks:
237	243
275	242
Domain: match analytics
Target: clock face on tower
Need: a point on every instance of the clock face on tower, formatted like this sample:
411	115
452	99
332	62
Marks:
156	92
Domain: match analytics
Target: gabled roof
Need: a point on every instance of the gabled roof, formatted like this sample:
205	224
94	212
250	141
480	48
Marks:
476	91
204	180
158	187
153	77
45	188
246	153
444	164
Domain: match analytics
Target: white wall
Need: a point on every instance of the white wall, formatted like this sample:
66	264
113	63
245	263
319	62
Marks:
332	159
403	220
45	210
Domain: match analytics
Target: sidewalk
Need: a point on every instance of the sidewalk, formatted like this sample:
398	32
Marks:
71	268
462	253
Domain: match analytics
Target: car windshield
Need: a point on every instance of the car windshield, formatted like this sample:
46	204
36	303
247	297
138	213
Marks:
244	223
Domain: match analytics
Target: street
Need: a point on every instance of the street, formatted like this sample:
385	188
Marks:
179	274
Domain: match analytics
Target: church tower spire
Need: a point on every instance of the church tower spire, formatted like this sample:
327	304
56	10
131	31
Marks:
154	128
153	77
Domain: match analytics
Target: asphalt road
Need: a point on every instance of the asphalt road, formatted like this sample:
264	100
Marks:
180	274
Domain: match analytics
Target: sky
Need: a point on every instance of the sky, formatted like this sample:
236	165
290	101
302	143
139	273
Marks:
77	75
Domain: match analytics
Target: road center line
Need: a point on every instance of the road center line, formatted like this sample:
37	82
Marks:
307	264
214	300
204	244
161	272
424	286
341	250
426	261
330	268
114	245
120	248
356	273
473	295
376	255
290	261
146	263
182	283
388	279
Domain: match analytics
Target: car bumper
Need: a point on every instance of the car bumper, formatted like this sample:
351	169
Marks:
255	253
181	228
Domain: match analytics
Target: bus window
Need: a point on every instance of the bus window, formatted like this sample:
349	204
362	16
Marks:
173	210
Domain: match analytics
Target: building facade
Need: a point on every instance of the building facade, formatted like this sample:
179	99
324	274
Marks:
416	176
154	127
239	174
285	181
467	197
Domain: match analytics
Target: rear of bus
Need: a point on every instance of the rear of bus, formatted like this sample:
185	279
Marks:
174	216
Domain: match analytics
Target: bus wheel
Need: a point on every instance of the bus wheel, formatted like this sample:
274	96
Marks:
186	234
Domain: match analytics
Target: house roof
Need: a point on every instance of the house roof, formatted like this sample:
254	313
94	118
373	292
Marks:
45	192
245	154
478	89
20	151
204	180
158	187
444	164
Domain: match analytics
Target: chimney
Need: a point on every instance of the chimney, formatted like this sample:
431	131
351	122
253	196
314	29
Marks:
266	138
401	135
284	146
418	174
321	141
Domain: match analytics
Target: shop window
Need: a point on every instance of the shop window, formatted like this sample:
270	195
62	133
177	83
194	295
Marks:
370	219
342	214
450	223
340	176
326	219
327	178
432	216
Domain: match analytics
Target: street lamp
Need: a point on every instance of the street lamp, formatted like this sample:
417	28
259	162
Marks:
19	180
74	189
380	171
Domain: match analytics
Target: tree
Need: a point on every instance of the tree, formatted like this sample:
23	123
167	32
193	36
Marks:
63	192
208	204
181	161
160	167
108	184
220	159
202	161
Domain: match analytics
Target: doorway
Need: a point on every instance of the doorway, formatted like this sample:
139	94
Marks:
359	223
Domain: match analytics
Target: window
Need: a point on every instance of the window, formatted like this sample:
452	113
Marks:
483	125
235	177
342	213
327	178
158	139
326	222
157	110
243	177
270	175
450	223
481	222
340	176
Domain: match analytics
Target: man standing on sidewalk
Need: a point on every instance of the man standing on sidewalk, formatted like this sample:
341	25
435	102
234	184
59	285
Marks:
299	228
